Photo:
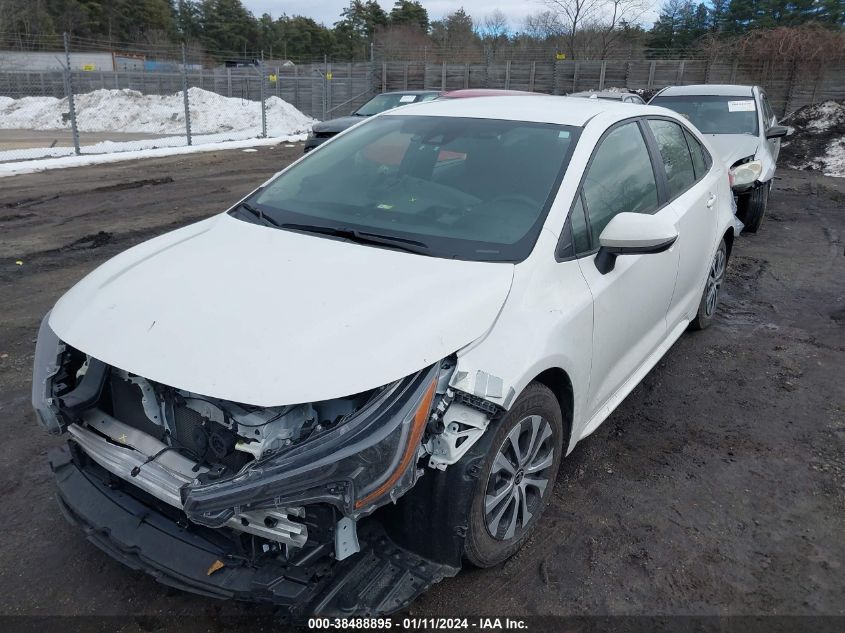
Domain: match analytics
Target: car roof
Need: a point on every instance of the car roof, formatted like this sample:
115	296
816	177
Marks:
484	92
727	90
536	108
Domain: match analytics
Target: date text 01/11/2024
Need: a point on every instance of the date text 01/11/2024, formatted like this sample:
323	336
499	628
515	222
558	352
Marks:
418	624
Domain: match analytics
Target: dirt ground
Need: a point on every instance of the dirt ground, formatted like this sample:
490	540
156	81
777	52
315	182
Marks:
716	488
26	139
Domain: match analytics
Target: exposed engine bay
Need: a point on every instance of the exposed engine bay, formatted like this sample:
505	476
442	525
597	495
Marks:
288	488
228	465
162	439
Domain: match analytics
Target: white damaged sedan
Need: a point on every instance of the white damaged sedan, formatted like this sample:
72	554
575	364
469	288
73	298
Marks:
369	369
740	124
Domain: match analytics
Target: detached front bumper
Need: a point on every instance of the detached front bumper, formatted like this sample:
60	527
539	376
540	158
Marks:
380	579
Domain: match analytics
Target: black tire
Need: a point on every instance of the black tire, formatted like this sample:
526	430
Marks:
712	289
482	548
752	208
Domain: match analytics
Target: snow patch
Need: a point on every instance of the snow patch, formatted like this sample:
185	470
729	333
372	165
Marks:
175	142
131	111
33	166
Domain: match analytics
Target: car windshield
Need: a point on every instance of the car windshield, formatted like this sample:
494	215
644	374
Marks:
464	188
714	114
384	102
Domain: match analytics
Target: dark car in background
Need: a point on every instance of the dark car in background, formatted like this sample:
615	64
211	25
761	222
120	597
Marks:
324	130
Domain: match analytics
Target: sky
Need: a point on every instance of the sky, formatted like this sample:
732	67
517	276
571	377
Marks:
328	11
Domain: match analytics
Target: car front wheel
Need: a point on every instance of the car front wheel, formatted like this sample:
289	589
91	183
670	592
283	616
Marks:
517	477
753	208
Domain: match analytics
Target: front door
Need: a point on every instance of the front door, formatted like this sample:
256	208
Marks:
630	302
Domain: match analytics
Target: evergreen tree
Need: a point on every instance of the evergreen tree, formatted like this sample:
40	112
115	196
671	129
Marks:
410	13
226	25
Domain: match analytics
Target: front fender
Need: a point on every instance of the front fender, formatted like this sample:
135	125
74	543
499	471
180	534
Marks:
546	323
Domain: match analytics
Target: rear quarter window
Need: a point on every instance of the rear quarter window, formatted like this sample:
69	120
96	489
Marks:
700	157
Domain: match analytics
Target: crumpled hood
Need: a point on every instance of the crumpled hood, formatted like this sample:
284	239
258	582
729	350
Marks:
732	147
262	316
335	126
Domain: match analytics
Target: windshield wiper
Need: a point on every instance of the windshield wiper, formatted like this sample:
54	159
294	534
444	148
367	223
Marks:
362	237
258	213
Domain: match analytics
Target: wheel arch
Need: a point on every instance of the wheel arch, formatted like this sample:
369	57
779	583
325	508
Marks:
558	381
729	241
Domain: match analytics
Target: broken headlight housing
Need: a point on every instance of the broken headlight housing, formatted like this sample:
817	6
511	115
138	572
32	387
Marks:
48	362
746	173
357	466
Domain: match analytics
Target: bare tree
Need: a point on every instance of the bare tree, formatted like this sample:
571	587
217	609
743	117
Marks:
543	26
573	15
494	32
617	13
494	25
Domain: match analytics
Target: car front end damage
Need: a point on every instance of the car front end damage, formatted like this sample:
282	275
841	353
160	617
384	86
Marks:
291	505
745	175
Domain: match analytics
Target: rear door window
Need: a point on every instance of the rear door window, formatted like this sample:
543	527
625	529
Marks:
675	155
700	158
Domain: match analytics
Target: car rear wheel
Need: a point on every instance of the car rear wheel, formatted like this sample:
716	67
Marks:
753	208
712	289
516	478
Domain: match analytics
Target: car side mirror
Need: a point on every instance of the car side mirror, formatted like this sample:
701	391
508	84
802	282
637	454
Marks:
633	234
778	131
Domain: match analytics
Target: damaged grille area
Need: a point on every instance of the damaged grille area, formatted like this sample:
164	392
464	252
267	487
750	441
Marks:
162	440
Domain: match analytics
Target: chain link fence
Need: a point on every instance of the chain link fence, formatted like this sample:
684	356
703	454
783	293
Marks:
81	99
789	85
90	102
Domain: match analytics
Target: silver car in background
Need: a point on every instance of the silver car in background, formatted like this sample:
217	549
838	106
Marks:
740	123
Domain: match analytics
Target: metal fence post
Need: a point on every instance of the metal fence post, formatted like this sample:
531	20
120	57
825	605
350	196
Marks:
69	90
262	91
185	94
325	85
296	88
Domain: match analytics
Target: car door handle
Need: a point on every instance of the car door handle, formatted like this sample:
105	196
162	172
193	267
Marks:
711	200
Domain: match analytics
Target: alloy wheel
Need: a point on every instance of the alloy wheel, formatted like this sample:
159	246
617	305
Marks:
518	478
714	282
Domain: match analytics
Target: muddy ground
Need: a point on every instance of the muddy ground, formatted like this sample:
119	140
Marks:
717	487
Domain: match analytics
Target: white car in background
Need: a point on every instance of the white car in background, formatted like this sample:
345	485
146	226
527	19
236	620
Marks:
741	125
330	396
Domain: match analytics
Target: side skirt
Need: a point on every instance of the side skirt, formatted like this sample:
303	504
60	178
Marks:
628	386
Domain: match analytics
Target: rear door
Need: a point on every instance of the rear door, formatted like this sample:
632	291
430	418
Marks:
630	302
691	188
